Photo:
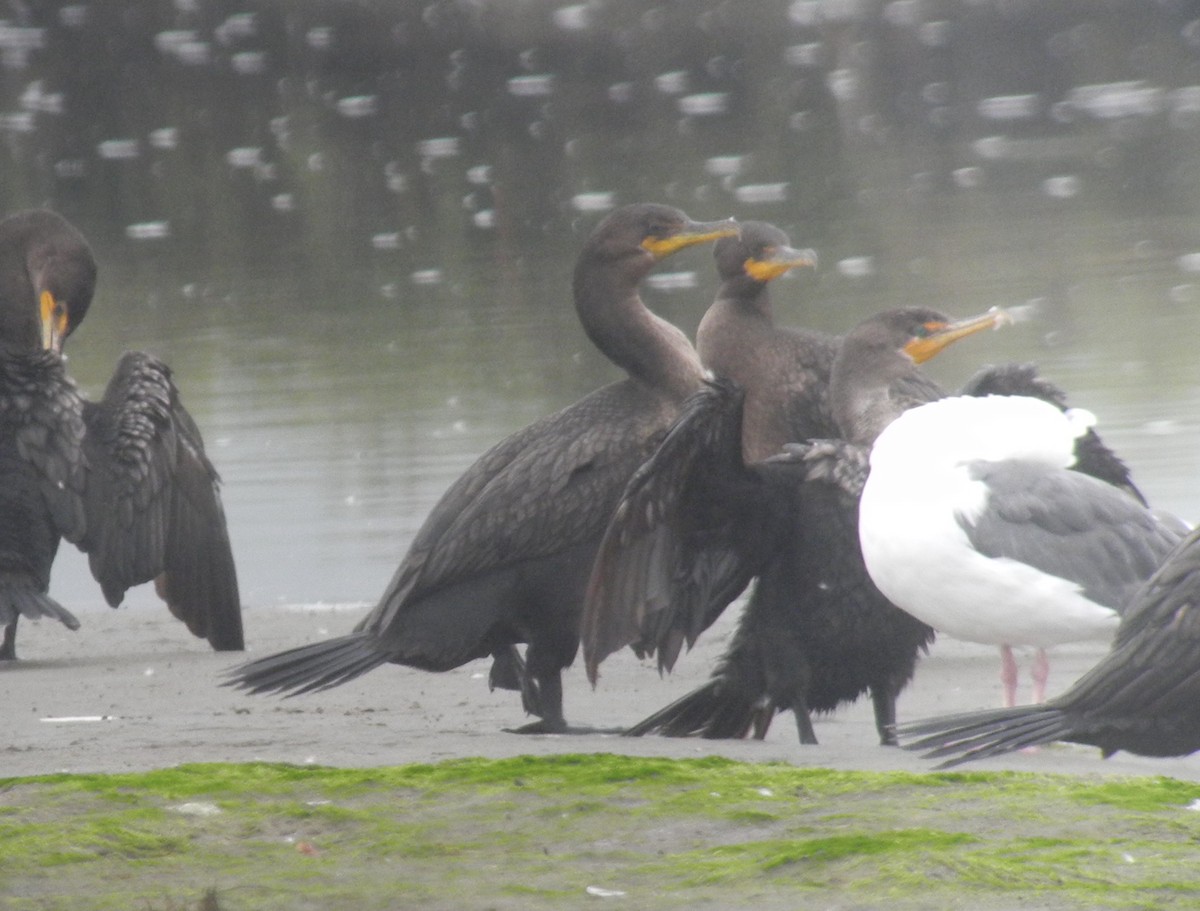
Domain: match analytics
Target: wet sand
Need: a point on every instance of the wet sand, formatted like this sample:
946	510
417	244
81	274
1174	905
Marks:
156	693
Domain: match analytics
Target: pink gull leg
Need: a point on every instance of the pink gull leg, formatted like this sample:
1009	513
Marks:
1041	673
1008	675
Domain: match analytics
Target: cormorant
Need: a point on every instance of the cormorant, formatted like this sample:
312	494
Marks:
815	631
125	479
504	556
1143	697
971	520
782	374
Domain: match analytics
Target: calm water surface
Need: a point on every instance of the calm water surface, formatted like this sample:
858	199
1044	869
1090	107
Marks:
350	227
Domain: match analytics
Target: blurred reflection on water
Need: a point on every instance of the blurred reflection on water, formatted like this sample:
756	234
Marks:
349	227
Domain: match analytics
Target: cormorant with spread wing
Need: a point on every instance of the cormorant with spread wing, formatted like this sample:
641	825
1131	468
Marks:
815	631
783	374
126	478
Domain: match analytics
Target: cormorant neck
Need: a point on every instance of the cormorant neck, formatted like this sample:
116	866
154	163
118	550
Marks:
731	331
31	376
28	361
650	349
860	392
746	295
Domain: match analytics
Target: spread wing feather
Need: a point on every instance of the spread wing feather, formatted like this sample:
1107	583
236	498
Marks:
152	505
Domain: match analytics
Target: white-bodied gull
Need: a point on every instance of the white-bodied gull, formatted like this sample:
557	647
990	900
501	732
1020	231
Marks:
971	521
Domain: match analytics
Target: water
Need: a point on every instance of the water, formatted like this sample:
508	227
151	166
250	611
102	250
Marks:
349	228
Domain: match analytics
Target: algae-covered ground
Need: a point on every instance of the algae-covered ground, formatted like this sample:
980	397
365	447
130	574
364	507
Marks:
593	830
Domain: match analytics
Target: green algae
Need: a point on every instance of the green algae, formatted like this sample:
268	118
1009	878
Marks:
537	832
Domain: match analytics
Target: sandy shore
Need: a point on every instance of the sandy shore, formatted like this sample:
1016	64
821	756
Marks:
156	693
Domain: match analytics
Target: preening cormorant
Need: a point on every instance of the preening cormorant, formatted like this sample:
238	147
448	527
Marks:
1143	697
125	479
815	632
504	556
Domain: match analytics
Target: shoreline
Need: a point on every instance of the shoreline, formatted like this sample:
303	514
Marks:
132	691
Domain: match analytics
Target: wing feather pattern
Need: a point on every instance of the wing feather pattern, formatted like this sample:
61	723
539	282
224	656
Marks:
152	503
683	542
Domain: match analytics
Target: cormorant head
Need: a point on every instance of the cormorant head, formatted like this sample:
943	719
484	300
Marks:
878	358
640	235
761	252
47	278
913	334
927	332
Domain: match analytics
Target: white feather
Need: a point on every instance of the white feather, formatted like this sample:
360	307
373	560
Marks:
918	554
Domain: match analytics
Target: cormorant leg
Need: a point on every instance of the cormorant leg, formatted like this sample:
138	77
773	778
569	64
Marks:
549	687
1041	673
8	651
1008	675
508	673
804	726
761	721
884	701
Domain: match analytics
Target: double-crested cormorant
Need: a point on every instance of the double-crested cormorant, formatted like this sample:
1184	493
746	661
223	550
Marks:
783	375
971	520
504	556
815	631
126	479
1143	696
783	372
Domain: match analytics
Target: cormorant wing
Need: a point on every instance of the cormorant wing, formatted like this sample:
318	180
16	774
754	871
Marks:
684	541
531	495
1066	524
1152	673
152	506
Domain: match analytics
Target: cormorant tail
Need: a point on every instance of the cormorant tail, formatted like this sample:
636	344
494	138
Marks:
978	735
20	598
715	711
306	668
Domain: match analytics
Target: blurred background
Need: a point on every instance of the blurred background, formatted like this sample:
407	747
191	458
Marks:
350	227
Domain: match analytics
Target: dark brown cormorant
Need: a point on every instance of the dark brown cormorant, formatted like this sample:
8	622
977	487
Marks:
815	631
504	556
783	372
1143	697
126	479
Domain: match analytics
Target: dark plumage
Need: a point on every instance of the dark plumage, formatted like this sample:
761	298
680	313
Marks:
1143	697
783	372
126	478
504	556
815	631
668	518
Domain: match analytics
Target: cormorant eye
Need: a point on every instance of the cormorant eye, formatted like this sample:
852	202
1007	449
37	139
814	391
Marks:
926	329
